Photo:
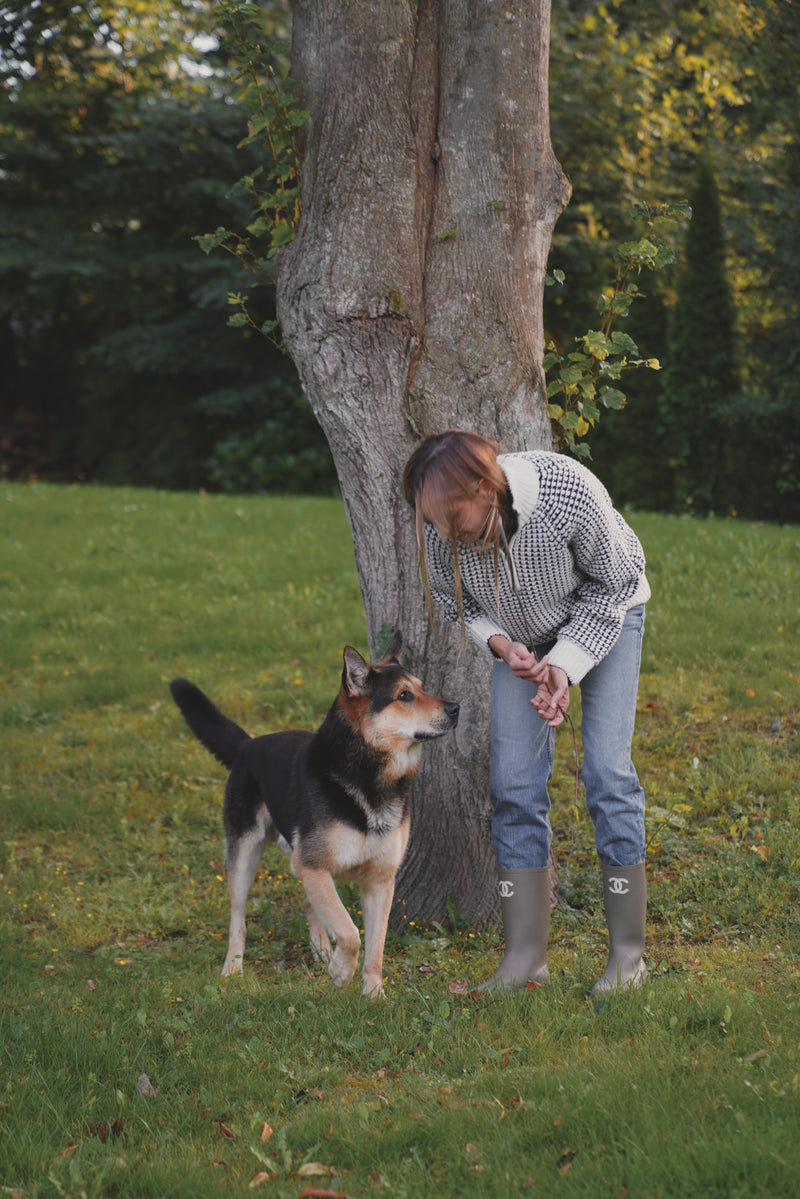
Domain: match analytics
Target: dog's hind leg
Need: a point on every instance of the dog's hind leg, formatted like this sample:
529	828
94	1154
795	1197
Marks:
242	856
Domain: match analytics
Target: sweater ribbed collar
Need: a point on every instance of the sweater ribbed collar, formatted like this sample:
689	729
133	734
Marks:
523	482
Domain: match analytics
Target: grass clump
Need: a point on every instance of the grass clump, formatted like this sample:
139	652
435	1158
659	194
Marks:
128	1067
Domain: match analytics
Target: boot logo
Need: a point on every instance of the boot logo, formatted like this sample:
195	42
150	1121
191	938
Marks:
618	886
506	888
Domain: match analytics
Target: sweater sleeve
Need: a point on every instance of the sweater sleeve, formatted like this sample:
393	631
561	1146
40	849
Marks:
610	563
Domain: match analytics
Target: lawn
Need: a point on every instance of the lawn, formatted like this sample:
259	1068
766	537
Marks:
128	1067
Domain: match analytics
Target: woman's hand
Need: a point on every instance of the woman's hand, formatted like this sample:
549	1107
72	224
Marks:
552	699
520	659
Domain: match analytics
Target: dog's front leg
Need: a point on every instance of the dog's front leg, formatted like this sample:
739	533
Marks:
320	941
323	897
377	893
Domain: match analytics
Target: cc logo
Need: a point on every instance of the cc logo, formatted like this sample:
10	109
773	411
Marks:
618	886
506	888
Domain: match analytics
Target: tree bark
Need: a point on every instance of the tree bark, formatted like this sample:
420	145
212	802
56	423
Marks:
411	302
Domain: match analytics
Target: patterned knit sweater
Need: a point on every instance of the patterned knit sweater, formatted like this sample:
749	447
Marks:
578	566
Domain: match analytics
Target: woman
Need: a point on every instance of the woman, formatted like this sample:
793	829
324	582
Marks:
528	553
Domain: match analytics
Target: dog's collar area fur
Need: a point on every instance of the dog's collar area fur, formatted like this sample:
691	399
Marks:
381	820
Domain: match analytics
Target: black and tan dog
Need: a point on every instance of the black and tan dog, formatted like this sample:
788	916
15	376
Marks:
337	800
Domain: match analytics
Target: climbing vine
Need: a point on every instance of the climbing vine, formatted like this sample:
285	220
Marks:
584	382
267	93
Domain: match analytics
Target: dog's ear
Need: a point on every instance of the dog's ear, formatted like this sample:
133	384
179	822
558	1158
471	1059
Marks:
392	655
355	673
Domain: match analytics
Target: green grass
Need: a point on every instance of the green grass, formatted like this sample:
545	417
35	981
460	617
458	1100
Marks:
129	1068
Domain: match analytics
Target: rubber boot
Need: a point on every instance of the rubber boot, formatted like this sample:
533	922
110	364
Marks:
525	909
625	895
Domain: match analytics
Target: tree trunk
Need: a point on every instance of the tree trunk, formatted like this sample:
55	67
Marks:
411	302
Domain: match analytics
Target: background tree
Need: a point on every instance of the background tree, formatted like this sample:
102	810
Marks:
638	92
116	138
701	379
411	301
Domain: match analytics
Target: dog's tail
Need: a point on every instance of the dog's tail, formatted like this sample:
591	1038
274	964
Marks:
221	736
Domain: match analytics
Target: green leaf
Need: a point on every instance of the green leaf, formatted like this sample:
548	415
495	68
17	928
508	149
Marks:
612	398
664	257
623	343
283	233
620	305
596	343
262	225
209	241
572	374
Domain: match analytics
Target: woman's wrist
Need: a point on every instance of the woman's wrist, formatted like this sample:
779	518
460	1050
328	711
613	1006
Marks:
499	645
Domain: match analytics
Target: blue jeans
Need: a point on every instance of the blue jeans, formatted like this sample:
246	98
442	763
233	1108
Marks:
521	760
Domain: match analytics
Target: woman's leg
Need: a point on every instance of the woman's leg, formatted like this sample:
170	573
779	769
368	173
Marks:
614	795
520	766
521	763
616	802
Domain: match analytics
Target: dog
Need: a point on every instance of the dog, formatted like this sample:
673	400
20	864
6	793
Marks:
337	801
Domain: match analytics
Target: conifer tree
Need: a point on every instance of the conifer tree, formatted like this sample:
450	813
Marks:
701	376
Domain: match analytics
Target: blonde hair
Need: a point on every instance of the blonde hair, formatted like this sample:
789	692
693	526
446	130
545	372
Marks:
444	471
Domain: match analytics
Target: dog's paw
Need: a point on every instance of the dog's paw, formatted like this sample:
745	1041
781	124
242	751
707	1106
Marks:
373	989
342	966
232	966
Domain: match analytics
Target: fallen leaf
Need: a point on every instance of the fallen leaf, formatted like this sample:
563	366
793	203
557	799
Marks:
566	1159
145	1087
227	1132
321	1193
757	1056
258	1180
91	984
459	986
311	1168
109	1128
266	1133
